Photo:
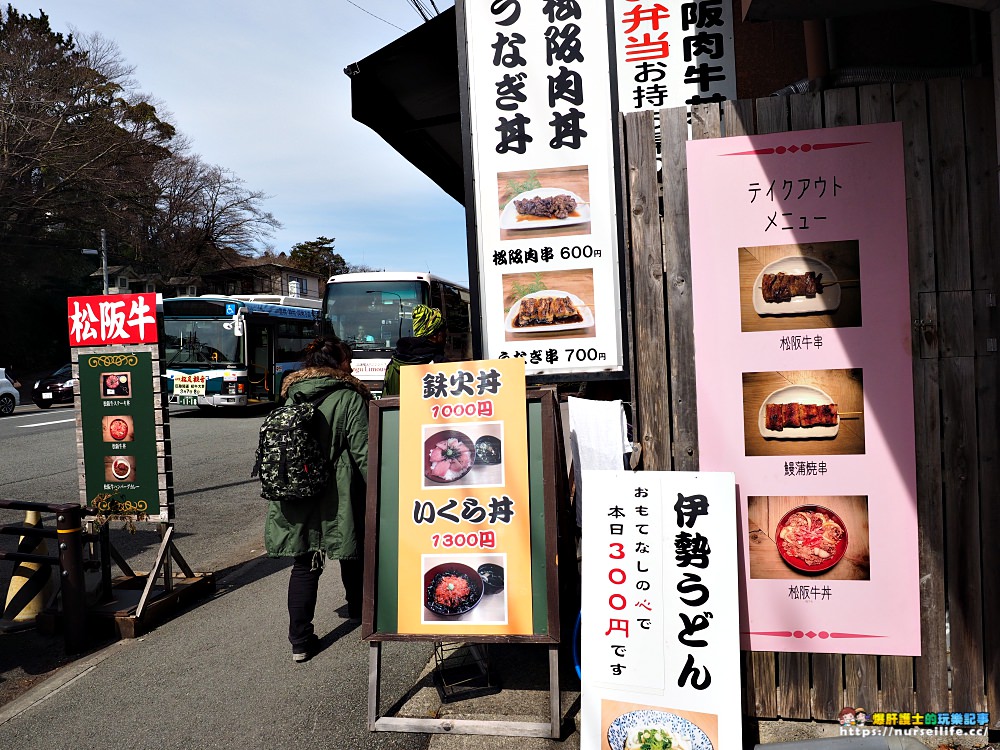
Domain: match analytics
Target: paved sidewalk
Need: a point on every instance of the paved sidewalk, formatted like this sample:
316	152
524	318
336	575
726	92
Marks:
221	676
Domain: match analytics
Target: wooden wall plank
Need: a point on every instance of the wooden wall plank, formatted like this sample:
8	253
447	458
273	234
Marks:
680	314
764	690
875	103
772	114
706	121
828	686
737	117
840	107
931	668
806	111
792	668
951	215
794	699
861	681
896	674
761	686
958	403
984	219
646	255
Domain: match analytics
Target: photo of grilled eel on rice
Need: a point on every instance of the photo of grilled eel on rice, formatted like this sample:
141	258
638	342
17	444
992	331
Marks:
782	287
543	311
779	416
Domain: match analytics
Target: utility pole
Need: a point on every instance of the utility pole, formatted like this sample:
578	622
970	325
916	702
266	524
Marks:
103	252
104	258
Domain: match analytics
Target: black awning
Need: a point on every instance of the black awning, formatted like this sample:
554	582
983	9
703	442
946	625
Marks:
407	92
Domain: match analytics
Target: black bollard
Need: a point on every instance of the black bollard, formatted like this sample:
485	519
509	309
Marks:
69	525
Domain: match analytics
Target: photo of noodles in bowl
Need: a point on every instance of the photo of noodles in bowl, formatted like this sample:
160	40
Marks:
448	456
811	538
656	730
452	589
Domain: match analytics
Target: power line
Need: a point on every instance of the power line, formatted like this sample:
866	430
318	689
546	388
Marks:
374	16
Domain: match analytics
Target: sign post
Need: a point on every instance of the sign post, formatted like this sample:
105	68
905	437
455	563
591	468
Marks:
544	237
123	437
660	617
464	471
802	318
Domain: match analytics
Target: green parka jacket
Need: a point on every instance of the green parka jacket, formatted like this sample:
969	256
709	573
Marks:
334	524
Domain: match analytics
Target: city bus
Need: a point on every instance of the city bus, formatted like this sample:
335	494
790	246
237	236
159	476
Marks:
372	311
234	350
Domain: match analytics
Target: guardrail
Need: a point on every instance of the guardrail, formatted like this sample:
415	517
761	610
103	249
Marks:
70	537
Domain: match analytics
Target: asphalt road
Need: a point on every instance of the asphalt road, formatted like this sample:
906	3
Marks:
217	675
219	512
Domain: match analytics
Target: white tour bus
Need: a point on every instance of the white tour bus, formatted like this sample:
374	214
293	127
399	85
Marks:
372	311
230	350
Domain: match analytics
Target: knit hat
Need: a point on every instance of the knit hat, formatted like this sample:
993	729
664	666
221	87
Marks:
426	320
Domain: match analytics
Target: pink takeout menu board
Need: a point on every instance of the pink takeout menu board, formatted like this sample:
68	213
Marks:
800	287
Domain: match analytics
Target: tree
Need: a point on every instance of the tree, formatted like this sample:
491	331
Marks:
82	150
317	256
205	217
77	148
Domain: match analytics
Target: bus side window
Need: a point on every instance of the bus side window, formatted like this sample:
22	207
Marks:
456	311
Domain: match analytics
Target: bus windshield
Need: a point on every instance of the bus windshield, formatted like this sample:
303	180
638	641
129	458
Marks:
373	315
206	343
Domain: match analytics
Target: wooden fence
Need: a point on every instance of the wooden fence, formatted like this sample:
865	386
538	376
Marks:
952	213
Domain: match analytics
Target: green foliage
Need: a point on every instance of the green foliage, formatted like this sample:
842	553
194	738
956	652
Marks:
80	151
520	290
317	256
514	187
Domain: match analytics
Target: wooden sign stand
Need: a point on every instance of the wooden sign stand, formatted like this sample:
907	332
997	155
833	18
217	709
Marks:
548	483
132	600
376	723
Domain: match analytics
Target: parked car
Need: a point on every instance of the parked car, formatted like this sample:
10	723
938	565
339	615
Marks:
9	397
56	388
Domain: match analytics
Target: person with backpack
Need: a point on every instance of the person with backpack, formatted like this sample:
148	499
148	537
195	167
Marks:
330	524
426	345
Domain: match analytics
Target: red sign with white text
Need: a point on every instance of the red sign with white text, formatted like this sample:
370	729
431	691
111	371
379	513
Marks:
104	320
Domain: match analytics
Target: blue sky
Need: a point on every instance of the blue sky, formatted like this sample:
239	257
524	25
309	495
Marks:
259	89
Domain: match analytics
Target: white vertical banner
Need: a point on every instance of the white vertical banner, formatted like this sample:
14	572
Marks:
545	198
671	53
660	611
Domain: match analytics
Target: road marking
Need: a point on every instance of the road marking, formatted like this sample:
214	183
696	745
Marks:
43	424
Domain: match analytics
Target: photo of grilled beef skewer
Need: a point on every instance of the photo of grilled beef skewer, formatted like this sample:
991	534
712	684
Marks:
555	207
781	287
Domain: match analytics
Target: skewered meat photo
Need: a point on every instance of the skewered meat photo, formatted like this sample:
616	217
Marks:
804	412
782	287
803	285
781	416
540	311
544	202
555	207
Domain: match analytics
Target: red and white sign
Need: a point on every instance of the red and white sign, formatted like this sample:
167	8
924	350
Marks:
674	53
105	320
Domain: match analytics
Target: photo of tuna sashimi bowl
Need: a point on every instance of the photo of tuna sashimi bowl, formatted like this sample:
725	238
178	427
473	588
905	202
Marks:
448	456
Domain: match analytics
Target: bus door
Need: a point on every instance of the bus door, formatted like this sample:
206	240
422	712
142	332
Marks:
260	355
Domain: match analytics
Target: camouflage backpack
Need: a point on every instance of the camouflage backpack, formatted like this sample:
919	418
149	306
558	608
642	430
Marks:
291	462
